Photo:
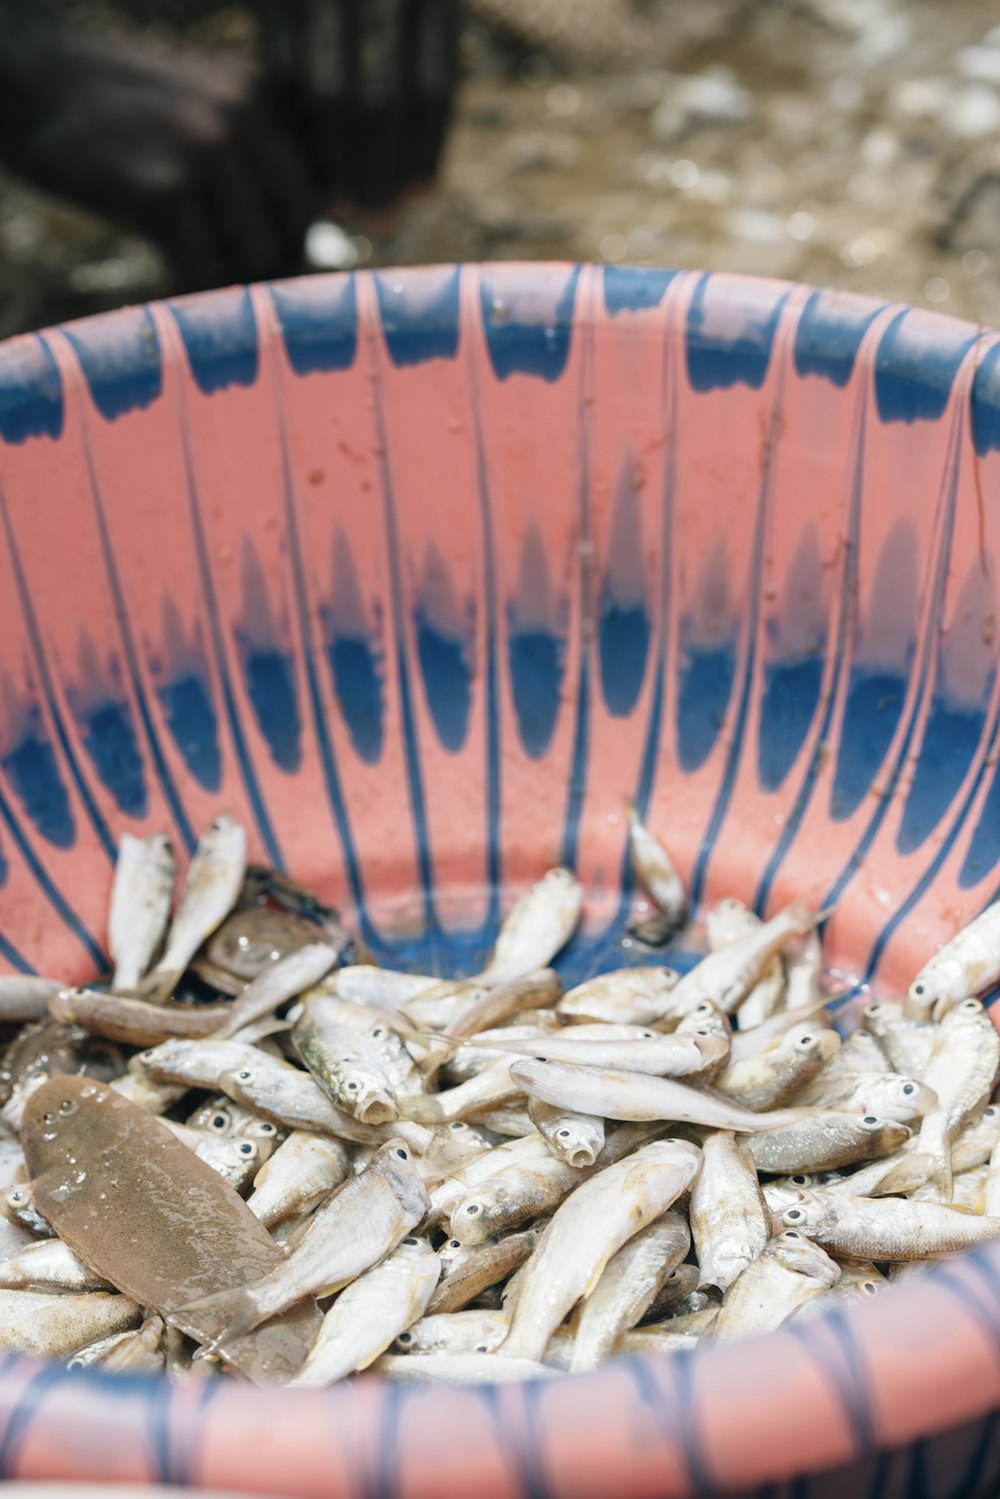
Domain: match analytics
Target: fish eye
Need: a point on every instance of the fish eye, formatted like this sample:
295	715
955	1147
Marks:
991	1110
482	1348
248	1148
541	1059
869	1119
267	1128
918	989
908	1088
796	1214
352	1086
564	1134
378	1031
457	1124
647	1035
410	1241
869	1288
219	1122
970	1004
806	1040
791	1234
701	1033
16	1196
800	1180
472	1209
68	1106
407	1337
244	1076
871	1009
402	1155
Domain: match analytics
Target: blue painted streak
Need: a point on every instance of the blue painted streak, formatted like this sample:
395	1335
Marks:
845	626
705	684
753	593
623	637
51	891
581	736
31	395
334	790
120	359
319	322
42	666
446	680
411	753
718	362
219	332
943	554
872	712
930	873
492	686
913	380
121	613
247	772
109	739
528	347
357	682
536	674
416	327
830	331
270	683
984	845
788	703
984	400
191	720
949	746
32	771
633	288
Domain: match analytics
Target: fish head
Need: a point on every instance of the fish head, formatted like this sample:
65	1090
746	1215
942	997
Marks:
565	891
365	1096
810	1039
786	1191
887	1134
705	1019
580	1141
396	1161
967	1015
809	1215
899	1098
794	1251
415	1250
880	1016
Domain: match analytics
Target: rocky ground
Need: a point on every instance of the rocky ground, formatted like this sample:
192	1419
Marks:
848	142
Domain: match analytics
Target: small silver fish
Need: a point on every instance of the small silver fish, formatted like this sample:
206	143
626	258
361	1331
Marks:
370	1313
887	1228
475	1331
590	1226
539	923
790	1269
577	1139
965	966
141	893
655	871
213	885
629	1285
730	1223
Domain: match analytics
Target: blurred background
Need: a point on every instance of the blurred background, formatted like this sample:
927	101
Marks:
854	143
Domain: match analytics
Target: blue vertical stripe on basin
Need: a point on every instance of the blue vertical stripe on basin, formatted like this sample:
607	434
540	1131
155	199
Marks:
419	323
318	318
735	353
31	768
219	332
830	330
353	651
268	668
914	373
527	332
120	359
633	288
985	402
100	706
31	396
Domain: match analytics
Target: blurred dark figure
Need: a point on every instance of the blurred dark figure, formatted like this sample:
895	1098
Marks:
222	160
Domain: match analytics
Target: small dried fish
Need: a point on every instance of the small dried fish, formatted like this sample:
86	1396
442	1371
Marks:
483	1265
595	1221
303	1171
629	1285
730	1222
371	1312
966	965
631	996
54	1325
887	1228
654	869
537	926
141	893
475	1331
212	888
576	1139
789	1270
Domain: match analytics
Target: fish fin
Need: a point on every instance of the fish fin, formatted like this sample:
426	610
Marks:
219	1318
918	1168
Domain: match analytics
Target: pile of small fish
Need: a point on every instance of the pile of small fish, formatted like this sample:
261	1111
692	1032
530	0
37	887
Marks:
251	1150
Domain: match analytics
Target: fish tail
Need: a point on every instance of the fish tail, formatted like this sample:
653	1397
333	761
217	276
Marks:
220	1318
919	1168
